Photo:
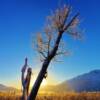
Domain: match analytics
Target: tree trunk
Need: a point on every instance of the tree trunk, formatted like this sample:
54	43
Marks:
37	83
43	70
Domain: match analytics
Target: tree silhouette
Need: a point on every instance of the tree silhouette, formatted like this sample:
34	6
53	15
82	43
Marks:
25	80
49	42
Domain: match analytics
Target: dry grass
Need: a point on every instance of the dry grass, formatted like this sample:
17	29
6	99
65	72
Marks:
59	96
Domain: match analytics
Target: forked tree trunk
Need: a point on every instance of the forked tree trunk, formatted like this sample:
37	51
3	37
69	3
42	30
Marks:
43	70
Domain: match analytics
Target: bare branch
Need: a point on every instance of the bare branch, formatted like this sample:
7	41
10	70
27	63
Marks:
69	24
75	34
66	11
56	60
62	53
42	53
49	45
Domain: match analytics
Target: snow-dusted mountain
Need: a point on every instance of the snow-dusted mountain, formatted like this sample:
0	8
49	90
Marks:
85	82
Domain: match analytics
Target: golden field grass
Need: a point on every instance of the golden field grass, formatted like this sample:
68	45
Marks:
58	96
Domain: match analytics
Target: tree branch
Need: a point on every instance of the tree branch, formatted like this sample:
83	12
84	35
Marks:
62	53
66	16
67	26
42	53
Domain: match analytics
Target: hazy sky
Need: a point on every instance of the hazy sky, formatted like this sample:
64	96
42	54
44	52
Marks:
19	19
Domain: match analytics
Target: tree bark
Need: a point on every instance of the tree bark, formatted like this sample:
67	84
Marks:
40	77
43	70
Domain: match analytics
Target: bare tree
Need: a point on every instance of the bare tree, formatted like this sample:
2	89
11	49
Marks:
49	42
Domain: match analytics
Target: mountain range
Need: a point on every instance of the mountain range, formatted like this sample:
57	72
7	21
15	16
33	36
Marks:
4	88
86	82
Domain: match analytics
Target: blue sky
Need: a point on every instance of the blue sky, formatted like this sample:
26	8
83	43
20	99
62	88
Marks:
19	19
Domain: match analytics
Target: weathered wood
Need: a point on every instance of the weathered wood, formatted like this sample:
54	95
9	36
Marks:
25	80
